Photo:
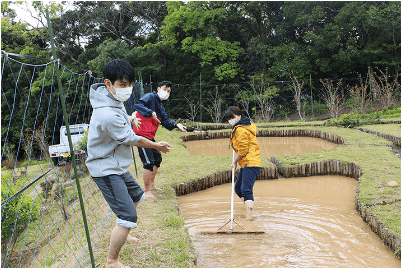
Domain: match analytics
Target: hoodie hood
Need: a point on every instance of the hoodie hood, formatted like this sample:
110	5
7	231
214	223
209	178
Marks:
246	123
100	97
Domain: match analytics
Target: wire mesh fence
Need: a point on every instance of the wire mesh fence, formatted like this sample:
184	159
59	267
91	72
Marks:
41	222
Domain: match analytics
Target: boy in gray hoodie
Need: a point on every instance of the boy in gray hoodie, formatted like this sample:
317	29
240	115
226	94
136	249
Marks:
110	139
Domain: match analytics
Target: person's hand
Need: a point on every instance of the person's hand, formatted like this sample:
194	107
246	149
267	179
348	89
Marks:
234	165
155	117
182	127
135	121
164	147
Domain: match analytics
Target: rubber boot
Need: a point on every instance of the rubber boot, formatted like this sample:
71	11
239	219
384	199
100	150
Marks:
248	208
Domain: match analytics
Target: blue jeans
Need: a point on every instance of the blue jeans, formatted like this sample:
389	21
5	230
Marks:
245	181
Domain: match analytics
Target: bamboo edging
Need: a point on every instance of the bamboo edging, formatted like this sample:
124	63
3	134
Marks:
326	167
395	139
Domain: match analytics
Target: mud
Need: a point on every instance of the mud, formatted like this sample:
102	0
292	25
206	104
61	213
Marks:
308	222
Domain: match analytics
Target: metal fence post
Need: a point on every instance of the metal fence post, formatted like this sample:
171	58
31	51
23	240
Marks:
61	96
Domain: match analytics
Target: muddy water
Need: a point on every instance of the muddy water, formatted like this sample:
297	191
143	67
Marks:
269	146
308	222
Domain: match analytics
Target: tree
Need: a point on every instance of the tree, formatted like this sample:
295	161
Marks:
193	29
16	37
296	87
263	94
332	98
386	18
80	31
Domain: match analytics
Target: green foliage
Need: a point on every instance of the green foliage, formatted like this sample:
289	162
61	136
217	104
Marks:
31	162
16	38
354	119
19	212
83	142
346	120
290	58
191	29
316	108
109	49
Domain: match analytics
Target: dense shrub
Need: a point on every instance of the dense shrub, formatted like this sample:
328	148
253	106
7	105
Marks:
316	109
83	142
22	208
355	119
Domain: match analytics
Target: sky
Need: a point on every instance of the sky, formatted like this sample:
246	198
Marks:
23	14
25	11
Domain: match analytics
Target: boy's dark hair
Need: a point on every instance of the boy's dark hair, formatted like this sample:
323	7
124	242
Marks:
232	111
167	83
118	69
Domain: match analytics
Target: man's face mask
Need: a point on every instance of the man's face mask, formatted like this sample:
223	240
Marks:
122	94
163	95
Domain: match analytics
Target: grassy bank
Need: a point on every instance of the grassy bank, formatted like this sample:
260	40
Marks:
390	129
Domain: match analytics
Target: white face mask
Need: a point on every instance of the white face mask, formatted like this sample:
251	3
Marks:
122	94
163	95
232	122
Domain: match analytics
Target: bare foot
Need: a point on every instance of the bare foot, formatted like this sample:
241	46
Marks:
149	195
115	264
155	188
131	238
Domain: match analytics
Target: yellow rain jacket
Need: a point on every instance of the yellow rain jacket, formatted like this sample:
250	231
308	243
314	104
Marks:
244	142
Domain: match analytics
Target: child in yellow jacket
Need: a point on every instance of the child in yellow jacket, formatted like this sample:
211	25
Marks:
244	142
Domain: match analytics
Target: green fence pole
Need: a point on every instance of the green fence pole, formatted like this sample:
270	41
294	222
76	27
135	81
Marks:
104	54
311	95
67	126
133	157
370	87
200	96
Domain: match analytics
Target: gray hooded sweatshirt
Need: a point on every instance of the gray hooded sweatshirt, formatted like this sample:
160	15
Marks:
110	135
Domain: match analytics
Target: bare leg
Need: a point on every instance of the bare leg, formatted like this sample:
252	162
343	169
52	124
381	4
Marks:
148	180
117	240
131	238
248	208
152	184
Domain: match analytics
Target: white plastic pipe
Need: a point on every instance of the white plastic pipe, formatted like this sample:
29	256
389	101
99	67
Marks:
232	194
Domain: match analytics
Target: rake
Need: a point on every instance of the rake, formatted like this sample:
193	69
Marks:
231	220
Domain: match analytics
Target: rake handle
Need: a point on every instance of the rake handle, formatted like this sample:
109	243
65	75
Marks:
232	194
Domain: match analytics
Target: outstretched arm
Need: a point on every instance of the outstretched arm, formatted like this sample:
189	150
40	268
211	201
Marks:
181	127
160	146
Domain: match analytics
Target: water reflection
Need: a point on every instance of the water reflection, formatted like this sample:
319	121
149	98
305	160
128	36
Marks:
269	146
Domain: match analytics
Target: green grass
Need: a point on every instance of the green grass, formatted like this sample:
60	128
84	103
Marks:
390	129
291	123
